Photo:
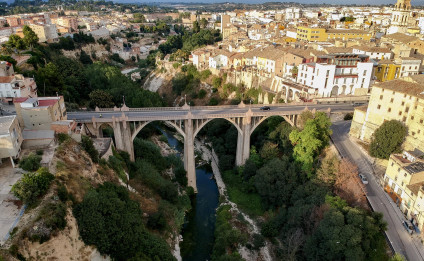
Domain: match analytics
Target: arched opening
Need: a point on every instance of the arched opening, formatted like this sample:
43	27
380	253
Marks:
290	94
343	90
105	131
334	91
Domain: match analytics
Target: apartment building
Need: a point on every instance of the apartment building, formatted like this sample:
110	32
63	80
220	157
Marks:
404	182
68	22
400	99
45	32
39	113
373	52
337	74
15	85
10	138
312	34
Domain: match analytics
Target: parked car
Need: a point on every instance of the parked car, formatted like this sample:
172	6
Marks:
408	226
363	178
265	108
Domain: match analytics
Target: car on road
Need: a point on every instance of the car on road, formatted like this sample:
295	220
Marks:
363	178
265	108
408	226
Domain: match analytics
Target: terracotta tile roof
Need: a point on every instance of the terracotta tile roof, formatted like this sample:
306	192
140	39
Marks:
6	79
400	37
413	85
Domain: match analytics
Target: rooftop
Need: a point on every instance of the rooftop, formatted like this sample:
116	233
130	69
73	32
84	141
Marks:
413	85
5	122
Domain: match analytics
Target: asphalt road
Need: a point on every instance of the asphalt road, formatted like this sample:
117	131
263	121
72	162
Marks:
401	241
211	112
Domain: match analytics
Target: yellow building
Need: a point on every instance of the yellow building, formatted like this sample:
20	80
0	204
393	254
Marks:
347	34
400	99
321	34
404	181
387	70
311	34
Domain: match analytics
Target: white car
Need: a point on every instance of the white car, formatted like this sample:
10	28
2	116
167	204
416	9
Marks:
363	179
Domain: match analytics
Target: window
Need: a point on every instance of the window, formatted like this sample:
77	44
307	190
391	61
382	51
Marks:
391	100
406	109
378	106
413	133
412	117
381	97
421	120
389	109
392	164
403	103
400	113
404	118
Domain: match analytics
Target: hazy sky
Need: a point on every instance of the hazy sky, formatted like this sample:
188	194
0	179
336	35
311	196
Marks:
359	2
263	1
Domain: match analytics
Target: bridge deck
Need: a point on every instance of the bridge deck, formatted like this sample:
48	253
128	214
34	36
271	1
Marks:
205	112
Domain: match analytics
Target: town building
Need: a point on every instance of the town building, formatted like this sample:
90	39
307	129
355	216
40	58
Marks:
404	182
10	138
400	99
400	16
45	32
337	74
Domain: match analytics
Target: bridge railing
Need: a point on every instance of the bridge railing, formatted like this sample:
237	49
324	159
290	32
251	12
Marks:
330	100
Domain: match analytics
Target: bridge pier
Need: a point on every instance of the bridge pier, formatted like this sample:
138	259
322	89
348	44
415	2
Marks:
123	140
189	160
243	140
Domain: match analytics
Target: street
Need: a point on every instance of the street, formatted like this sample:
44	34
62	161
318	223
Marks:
400	240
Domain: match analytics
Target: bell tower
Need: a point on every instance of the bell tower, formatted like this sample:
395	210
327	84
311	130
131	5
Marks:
400	16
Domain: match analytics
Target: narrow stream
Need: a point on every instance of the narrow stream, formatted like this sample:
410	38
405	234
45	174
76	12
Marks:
198	230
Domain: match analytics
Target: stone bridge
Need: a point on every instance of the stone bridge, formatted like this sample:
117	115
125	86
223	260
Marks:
188	121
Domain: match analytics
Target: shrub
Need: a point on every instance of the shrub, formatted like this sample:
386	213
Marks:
205	74
348	116
202	94
32	185
107	217
388	139
157	221
31	162
62	137
39	152
88	146
213	101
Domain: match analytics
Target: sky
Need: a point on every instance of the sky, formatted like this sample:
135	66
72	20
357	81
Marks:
358	2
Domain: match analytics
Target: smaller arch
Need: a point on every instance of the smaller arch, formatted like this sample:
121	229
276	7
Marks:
144	124
196	131
99	128
334	91
253	128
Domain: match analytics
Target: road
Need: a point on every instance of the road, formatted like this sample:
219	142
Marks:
206	112
401	241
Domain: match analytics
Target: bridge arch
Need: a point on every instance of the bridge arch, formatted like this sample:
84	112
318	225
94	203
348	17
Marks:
203	124
254	126
139	127
99	129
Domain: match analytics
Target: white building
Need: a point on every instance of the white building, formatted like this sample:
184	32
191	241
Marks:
15	85
400	16
337	74
409	66
218	61
374	52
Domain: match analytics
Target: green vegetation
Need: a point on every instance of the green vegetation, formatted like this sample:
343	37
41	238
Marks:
311	203
388	139
227	238
31	162
107	217
87	145
32	185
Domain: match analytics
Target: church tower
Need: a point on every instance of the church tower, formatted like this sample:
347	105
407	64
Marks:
400	16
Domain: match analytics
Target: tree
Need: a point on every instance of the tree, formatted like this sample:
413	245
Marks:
32	185
101	99
85	58
388	139
15	41
30	38
276	181
203	23
107	217
31	162
88	146
196	26
309	142
294	71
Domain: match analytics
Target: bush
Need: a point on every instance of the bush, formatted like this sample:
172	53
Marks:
388	139
348	116
213	101
39	152
88	146
62	137
32	185
30	163
202	94
107	217
157	221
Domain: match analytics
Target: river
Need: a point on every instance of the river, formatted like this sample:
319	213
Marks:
199	227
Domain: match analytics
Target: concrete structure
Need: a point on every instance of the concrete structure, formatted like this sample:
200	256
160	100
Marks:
400	99
45	32
10	138
337	74
404	181
314	34
127	123
40	113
